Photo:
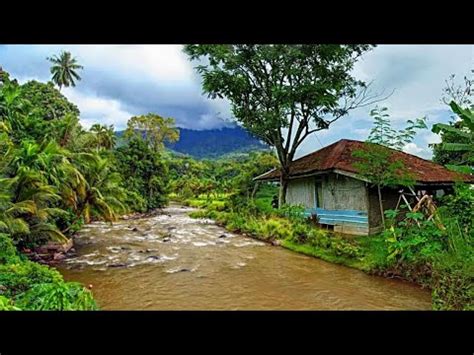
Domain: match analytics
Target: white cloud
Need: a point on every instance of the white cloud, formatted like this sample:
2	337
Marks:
412	148
98	110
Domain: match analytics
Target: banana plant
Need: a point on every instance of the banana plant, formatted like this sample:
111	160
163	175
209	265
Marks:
465	131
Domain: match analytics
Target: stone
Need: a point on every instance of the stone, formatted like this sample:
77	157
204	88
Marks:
118	265
166	239
223	236
59	256
276	242
154	257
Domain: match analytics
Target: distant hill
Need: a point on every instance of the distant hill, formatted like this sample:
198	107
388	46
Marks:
213	143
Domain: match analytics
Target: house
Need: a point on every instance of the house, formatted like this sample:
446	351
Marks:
326	183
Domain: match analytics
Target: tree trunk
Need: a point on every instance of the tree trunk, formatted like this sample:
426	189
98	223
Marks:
254	191
381	206
283	190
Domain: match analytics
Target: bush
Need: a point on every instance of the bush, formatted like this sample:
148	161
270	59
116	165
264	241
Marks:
459	206
7	304
413	239
274	228
57	296
20	277
8	253
452	284
294	213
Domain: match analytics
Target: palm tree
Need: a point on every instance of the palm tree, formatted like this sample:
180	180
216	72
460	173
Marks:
102	195
64	69
104	136
25	208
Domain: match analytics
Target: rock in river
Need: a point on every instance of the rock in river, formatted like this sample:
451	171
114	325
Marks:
118	265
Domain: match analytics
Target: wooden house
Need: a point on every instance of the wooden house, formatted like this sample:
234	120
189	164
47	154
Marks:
327	184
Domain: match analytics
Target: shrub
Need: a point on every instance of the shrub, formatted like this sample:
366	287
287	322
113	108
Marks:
294	213
21	276
459	206
343	247
413	239
57	296
452	283
319	238
275	229
7	304
8	252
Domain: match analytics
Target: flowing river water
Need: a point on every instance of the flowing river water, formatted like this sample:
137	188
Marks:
171	261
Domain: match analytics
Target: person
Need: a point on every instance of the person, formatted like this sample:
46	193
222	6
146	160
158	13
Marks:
275	201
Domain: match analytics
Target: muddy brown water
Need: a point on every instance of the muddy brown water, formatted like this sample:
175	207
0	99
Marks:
172	261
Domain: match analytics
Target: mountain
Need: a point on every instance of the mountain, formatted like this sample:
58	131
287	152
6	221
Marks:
214	143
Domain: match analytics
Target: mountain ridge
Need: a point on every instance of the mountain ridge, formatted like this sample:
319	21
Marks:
213	143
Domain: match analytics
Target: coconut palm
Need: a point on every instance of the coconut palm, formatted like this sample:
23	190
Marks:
64	69
54	165
25	208
102	195
104	136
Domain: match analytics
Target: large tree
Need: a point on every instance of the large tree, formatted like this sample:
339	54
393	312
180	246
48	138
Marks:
283	93
154	129
64	69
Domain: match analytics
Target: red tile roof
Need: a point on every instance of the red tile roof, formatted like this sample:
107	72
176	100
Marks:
338	156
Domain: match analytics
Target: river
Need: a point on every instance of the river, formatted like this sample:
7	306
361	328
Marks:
171	261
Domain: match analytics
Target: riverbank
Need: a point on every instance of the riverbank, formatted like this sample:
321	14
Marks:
450	281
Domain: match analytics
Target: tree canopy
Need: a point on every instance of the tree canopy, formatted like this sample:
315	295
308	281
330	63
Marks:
283	93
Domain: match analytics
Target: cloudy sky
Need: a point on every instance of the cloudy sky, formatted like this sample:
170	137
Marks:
122	81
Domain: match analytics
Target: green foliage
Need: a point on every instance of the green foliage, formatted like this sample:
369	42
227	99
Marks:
102	136
293	212
376	164
274	228
153	129
21	276
59	296
55	176
7	304
457	138
458	207
64	69
376	161
8	252
382	132
452	283
413	239
145	174
47	102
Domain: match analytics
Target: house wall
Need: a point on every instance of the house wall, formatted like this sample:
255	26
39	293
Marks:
301	192
344	201
344	193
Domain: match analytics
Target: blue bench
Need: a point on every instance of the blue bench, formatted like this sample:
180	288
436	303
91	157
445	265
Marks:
339	217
